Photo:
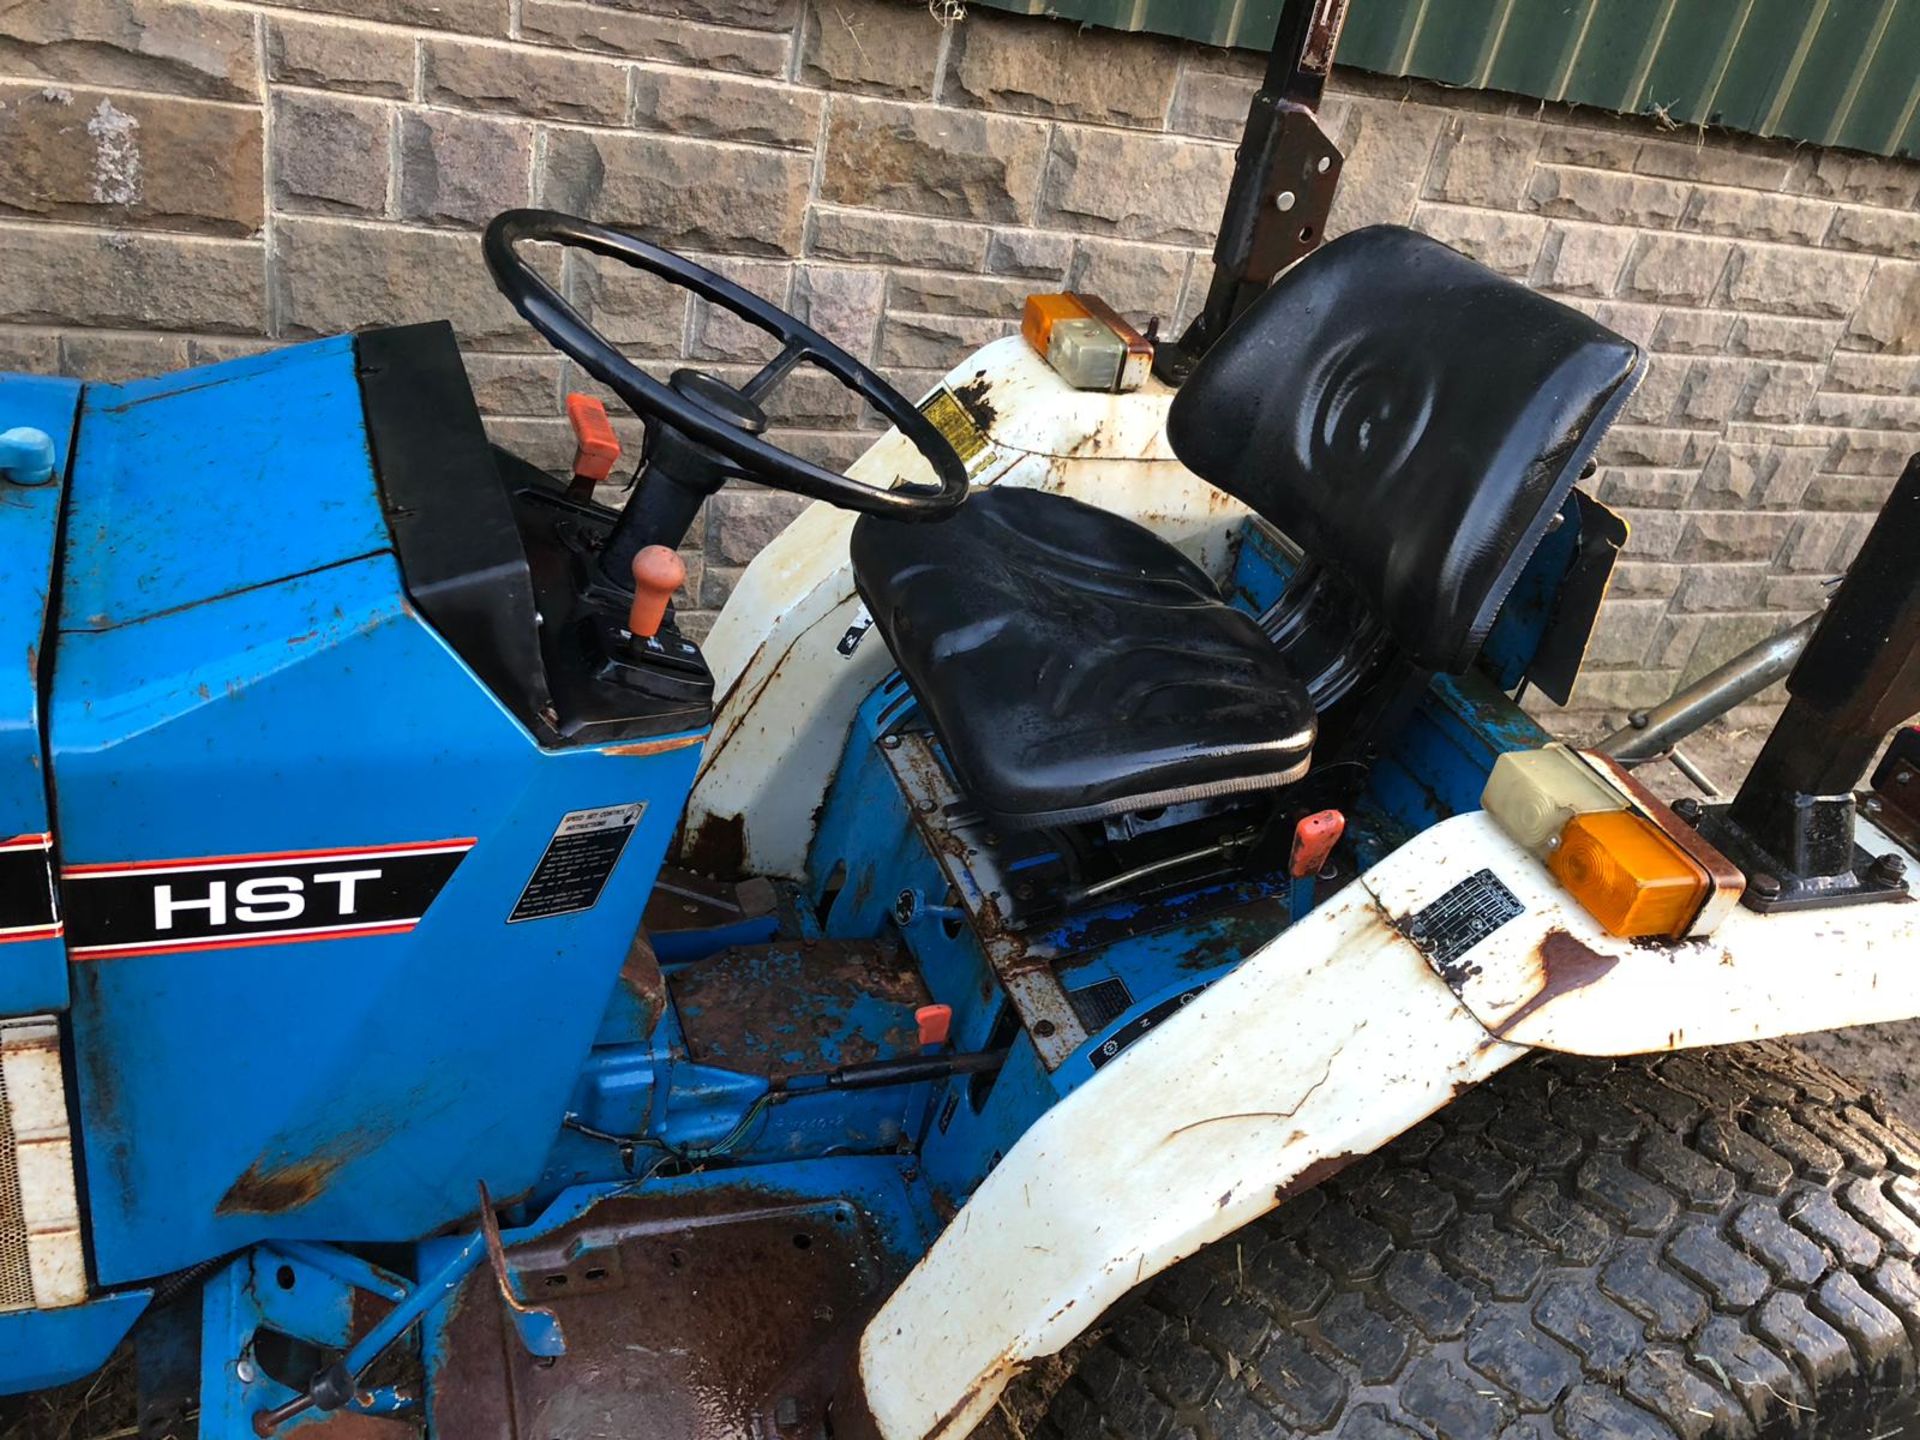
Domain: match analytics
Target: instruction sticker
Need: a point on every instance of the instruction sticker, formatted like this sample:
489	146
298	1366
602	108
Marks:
578	862
1462	918
958	428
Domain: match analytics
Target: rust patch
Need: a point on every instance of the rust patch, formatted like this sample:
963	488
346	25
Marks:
657	747
275	1189
975	399
1316	1174
1566	965
717	846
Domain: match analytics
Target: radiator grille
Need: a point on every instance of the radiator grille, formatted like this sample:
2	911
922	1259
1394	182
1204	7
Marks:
16	1271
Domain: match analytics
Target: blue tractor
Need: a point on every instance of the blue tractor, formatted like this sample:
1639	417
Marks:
1090	945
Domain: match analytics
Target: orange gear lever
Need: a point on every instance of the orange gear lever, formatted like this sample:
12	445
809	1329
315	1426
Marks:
657	573
596	447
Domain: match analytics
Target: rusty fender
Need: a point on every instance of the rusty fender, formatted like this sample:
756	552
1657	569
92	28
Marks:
1323	1046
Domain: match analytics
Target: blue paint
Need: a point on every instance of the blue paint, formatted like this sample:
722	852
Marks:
33	970
280	694
1530	607
42	1348
27	456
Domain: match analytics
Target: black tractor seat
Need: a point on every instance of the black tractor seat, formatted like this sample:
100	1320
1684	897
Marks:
1410	420
1077	666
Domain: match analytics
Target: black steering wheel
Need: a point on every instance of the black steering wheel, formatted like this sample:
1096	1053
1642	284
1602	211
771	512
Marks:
699	406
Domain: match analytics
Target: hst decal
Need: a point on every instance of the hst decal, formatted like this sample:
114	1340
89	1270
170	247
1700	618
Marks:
148	907
29	909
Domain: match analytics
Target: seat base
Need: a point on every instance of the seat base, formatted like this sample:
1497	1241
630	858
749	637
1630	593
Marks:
1074	665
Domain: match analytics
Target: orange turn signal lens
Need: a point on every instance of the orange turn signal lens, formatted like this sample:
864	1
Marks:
1629	876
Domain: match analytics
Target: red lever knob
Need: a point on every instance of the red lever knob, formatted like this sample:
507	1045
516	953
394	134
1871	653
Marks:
1313	841
596	447
657	573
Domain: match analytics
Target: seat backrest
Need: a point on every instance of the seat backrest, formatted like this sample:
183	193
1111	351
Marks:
1411	420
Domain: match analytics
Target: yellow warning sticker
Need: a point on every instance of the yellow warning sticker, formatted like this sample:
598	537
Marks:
958	428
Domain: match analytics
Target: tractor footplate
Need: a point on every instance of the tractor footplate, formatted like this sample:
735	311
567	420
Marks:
706	1316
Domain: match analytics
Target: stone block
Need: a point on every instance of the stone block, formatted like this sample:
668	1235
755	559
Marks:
72	277
1848	492
681	193
1796	594
1721	637
653	37
319	55
747	14
1644	488
1624	631
1659	392
1484	160
1160	188
214	349
1825	544
1674	637
642	314
522	81
1583	259
1388	148
1785	487
515	384
720	335
1732	535
1867	412
1711	389
112	358
1676	269
330	153
1213	103
1032	254
1645	580
1779	337
331	276
1589	147
1505	242
1861	179
1654	534
1734	474
1721	587
1142	282
716	585
1797	282
935	342
471	17
843	303
956	164
726	107
1063	70
1603	198
462	169
1631	444
80	155
867	235
1856	454
808	399
546	444
1632	321
871	47
28	352
743	520
1692	332
933	292
1753	215
1888	316
1874	374
1617	691
833	450
167	45
1884	232
1779	392
1715	160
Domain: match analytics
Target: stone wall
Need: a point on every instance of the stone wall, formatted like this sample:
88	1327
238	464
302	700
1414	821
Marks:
183	180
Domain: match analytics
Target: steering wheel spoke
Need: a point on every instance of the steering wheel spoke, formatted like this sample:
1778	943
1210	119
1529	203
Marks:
769	376
712	424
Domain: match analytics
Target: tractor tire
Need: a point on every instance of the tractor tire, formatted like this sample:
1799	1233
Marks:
1713	1244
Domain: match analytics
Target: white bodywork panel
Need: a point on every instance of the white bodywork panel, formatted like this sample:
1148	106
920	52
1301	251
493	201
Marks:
1323	1046
1327	1043
787	692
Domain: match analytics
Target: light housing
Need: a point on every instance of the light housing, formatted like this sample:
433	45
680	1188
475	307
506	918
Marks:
1629	876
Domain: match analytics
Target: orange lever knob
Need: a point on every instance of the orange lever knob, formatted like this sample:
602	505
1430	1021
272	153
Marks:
657	573
596	447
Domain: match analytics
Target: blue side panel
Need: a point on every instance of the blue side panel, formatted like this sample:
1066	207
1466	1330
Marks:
33	972
40	1348
216	480
344	1087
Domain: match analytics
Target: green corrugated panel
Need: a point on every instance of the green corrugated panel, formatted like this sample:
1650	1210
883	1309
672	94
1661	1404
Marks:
1835	72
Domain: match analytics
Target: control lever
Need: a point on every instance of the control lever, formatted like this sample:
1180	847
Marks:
657	574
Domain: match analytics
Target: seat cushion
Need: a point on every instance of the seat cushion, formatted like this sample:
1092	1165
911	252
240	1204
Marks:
1411	420
1074	664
